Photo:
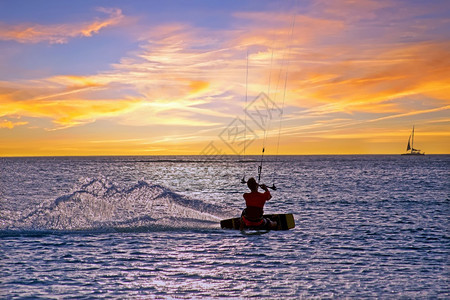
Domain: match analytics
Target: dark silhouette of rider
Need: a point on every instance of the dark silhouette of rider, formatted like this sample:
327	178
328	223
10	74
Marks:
252	215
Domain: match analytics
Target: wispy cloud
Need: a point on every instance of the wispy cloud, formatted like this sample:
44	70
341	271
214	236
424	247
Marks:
354	85
10	124
65	104
71	112
59	33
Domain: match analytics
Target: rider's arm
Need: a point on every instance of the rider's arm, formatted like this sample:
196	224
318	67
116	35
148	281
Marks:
266	191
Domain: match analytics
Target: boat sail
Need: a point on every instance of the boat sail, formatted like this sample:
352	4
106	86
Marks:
410	148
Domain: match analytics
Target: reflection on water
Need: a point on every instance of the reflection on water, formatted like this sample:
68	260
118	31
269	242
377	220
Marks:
366	227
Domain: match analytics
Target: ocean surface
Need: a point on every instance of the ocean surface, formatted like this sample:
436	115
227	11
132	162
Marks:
148	227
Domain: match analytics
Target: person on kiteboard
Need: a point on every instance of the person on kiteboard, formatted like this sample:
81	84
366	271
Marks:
252	215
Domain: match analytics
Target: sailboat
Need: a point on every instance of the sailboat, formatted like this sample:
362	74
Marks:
410	148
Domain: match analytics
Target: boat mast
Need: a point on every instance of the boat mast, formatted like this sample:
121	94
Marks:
412	145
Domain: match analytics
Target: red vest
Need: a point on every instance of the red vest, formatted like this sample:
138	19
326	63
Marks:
257	199
255	202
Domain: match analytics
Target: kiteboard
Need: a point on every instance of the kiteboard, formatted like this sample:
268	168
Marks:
284	222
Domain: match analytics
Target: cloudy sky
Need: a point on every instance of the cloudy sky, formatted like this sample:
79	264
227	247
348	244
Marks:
186	77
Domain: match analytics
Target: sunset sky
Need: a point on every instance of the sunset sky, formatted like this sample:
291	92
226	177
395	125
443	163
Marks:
171	77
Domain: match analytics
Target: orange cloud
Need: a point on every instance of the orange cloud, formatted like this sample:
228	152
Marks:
75	112
76	82
67	112
58	33
198	85
10	125
377	82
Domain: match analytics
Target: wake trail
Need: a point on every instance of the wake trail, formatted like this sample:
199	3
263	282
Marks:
100	204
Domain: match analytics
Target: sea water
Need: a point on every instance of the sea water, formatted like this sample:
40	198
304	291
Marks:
148	227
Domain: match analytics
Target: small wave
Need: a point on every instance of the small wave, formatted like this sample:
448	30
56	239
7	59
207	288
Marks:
99	204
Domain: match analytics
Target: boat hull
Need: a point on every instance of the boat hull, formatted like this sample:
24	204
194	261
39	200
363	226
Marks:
413	154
